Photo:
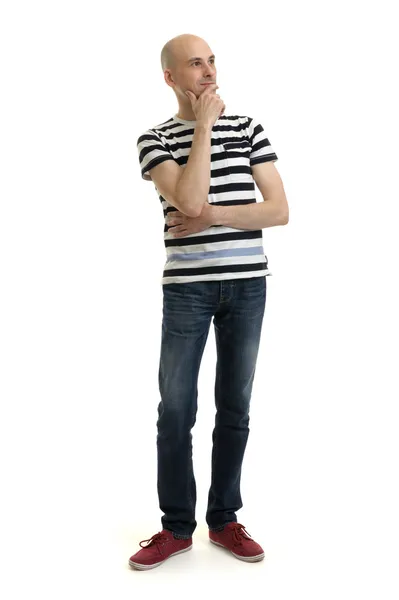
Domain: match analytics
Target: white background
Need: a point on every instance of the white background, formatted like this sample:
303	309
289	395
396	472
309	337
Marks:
82	254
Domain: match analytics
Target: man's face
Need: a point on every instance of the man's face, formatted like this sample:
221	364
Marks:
195	66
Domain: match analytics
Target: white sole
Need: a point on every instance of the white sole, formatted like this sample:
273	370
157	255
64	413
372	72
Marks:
244	558
146	567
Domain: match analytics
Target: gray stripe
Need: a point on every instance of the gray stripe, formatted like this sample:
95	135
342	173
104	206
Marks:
217	254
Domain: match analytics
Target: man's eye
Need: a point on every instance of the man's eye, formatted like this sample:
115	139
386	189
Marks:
197	62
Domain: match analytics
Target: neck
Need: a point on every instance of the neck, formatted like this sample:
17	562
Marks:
186	112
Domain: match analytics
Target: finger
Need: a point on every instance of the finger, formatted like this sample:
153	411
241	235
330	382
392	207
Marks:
179	231
210	88
192	97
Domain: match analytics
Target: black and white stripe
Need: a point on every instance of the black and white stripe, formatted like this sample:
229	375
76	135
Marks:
237	143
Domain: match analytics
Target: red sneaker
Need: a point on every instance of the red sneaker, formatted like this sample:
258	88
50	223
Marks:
238	541
161	546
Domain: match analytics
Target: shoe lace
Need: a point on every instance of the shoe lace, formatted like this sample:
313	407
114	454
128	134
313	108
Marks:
239	533
158	538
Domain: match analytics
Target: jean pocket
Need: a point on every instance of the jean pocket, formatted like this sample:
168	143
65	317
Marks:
253	294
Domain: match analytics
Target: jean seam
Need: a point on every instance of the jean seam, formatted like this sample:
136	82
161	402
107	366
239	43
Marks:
181	537
217	529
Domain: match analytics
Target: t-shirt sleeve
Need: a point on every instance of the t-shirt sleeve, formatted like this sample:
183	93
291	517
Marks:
261	149
152	152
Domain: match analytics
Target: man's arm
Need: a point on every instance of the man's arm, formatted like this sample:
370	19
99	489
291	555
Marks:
193	186
269	213
187	188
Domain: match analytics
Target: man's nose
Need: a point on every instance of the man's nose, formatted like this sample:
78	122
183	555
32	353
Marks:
210	70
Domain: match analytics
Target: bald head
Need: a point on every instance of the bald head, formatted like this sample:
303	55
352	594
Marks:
175	49
187	62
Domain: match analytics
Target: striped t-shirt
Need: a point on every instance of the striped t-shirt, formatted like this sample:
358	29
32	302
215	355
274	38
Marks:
217	253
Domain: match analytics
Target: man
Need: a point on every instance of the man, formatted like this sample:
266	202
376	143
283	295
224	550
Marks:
204	165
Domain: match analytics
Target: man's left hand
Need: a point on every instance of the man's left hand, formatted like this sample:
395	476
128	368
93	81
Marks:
184	225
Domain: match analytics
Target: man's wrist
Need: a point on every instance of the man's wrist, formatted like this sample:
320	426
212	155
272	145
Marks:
214	213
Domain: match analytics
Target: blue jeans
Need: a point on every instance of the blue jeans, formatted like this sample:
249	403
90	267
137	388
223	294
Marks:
237	307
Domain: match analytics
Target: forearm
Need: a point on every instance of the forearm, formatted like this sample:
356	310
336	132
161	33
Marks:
254	216
193	186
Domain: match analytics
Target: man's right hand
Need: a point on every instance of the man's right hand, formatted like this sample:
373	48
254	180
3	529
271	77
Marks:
208	107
